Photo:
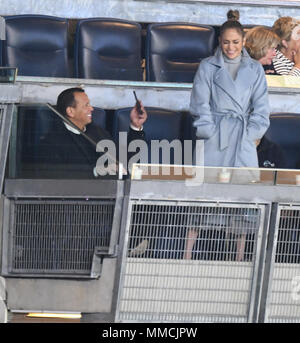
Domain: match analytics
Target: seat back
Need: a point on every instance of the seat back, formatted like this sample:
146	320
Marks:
284	130
37	45
174	50
161	125
108	49
100	117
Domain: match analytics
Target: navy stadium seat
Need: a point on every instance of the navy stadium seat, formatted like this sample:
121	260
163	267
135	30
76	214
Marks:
174	50
161	124
284	130
37	45
108	49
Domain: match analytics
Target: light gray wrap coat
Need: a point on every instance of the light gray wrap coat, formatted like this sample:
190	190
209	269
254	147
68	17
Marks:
230	114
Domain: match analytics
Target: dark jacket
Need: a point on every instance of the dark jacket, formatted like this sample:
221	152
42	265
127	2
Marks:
64	154
270	70
270	155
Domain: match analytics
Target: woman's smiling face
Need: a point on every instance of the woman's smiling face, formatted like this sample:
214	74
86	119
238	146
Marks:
231	43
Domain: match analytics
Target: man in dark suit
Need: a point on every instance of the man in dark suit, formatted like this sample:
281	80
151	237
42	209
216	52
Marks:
67	153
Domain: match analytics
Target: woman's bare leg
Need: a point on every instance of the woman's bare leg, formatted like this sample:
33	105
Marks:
240	247
190	241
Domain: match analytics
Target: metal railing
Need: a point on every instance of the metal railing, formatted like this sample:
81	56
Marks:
53	237
180	259
283	283
60	236
190	262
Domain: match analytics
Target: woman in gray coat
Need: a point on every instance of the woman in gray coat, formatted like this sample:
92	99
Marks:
229	103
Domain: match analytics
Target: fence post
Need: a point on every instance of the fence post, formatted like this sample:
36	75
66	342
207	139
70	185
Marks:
269	264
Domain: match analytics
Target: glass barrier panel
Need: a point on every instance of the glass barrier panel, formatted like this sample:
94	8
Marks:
288	177
8	74
42	147
201	174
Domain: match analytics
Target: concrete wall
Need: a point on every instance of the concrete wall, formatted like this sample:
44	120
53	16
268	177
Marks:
63	295
197	11
3	309
117	94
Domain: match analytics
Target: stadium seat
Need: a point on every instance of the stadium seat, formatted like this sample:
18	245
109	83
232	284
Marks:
161	124
37	45
100	117
108	49
284	130
174	50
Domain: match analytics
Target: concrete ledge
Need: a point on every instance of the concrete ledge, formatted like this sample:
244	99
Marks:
211	12
63	295
284	95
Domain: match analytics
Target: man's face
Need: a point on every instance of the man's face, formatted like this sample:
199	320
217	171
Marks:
81	113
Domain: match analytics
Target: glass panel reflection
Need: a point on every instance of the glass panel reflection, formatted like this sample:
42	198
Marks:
201	174
43	148
8	74
37	137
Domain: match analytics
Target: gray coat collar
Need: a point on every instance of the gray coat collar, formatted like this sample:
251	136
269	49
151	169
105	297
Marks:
234	88
218	60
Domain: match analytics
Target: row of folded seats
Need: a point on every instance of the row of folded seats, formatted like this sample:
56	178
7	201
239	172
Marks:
106	48
35	122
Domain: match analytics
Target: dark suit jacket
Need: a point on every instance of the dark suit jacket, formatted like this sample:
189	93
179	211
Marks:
64	154
270	155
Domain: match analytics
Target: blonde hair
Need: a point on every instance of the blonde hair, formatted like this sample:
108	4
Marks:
283	27
259	40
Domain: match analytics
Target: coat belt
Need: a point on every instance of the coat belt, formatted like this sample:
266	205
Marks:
224	134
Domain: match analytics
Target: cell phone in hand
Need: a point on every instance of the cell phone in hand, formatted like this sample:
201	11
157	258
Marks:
138	105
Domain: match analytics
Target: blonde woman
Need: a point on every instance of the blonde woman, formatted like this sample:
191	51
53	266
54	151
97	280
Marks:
287	59
261	43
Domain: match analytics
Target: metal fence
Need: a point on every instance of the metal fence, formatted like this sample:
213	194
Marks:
190	262
182	260
51	237
283	296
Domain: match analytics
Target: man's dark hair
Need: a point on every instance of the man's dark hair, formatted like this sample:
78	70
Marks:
66	98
